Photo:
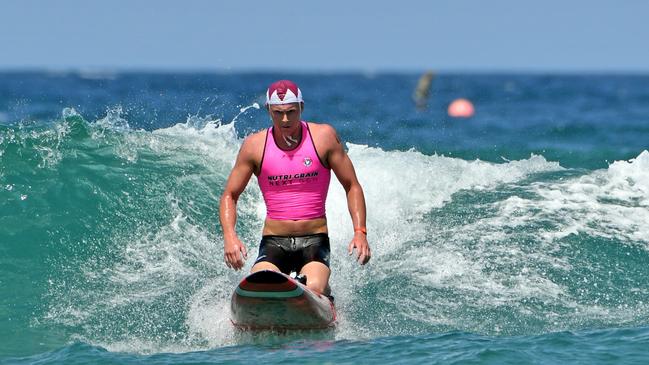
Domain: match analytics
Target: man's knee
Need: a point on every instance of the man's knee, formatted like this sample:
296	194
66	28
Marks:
264	265
318	287
317	277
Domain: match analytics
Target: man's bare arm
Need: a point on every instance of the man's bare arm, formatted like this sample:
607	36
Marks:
344	169
234	250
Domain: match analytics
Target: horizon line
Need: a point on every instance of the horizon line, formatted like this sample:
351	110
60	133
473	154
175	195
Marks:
98	70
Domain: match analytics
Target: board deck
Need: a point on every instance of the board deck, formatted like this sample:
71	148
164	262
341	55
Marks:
272	300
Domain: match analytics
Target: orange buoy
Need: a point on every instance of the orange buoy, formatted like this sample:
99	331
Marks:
461	108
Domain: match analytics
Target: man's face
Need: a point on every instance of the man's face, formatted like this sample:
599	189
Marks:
286	117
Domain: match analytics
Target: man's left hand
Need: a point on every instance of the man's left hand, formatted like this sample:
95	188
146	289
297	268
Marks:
359	242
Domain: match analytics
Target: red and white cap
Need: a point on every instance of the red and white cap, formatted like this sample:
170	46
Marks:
283	92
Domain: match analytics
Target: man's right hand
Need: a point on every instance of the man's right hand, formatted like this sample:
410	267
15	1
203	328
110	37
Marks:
235	253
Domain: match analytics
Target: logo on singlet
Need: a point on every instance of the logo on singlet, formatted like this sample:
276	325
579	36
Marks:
307	161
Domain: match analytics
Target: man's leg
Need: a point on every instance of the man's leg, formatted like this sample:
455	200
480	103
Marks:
317	277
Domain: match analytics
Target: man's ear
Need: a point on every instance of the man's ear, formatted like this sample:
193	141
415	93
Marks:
301	107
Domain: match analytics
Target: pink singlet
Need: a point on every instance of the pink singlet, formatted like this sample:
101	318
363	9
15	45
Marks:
294	183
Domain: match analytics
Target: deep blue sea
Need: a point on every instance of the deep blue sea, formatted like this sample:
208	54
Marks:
517	236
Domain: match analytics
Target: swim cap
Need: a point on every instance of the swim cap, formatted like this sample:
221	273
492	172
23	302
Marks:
283	92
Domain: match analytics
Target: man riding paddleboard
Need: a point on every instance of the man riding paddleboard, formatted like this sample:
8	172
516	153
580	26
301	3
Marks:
293	160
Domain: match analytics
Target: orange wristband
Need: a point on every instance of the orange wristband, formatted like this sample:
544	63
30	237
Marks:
362	230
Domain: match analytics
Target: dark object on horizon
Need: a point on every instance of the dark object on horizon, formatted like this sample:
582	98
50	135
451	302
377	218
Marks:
423	90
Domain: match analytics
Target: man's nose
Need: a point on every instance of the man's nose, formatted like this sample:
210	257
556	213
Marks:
285	117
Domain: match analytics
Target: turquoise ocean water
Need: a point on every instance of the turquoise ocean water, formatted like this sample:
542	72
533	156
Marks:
520	235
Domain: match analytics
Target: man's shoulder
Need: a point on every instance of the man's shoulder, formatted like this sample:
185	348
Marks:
322	130
254	143
256	137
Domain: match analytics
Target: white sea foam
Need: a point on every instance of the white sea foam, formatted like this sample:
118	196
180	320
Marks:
157	265
611	203
46	143
402	188
502	259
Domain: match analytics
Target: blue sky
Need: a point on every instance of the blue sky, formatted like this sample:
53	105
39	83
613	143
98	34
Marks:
333	35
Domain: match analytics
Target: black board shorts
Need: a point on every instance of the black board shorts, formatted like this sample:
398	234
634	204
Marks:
292	253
